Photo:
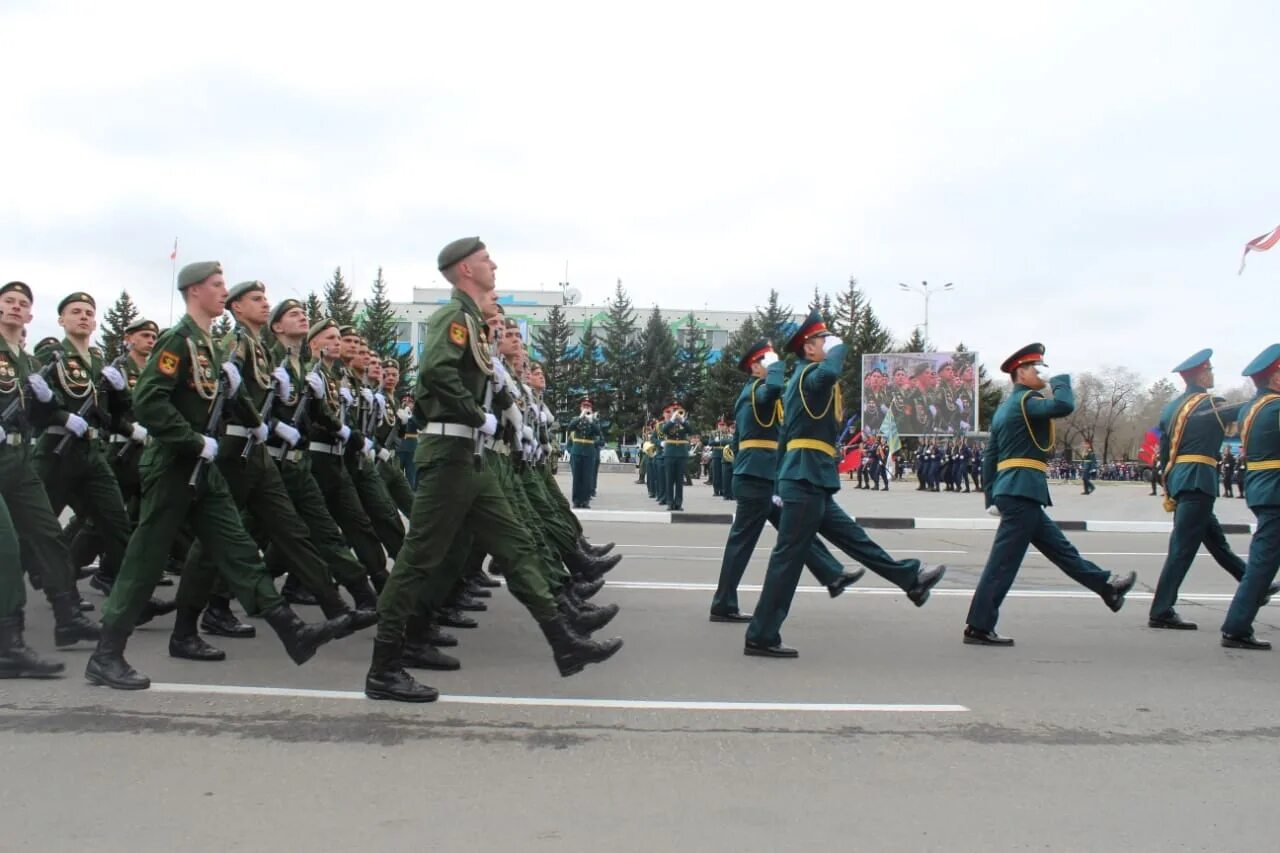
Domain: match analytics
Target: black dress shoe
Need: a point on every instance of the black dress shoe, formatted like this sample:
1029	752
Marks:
846	579
1236	641
191	647
1172	621
978	637
735	616
761	651
1271	590
926	580
456	619
1117	588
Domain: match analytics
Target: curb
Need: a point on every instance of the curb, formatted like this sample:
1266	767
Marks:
892	523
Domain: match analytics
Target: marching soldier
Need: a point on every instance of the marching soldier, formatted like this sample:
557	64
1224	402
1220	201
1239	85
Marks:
583	433
758	418
173	399
1015	477
1088	468
675	434
387	437
28	528
1189	447
457	492
807	482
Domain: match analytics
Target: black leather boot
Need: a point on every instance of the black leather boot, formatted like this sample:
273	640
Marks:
483	579
295	593
185	641
417	653
593	550
451	618
476	589
219	620
573	653
582	622
17	660
70	625
107	666
441	639
387	678
362	594
585	590
337	611
101	583
583	566
300	639
153	608
379	580
463	601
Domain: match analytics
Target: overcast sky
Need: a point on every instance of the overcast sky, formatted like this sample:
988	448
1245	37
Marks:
1086	173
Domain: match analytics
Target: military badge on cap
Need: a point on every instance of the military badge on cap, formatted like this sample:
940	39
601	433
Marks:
142	325
283	308
1030	354
197	272
244	287
812	327
21	287
79	296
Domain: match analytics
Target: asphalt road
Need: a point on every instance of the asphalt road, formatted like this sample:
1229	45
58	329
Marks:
1093	733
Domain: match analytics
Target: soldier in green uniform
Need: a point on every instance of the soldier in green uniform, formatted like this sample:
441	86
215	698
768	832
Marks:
388	436
919	408
256	485
807	483
70	458
457	493
1015	481
758	417
365	411
180	485
1189	448
675	433
1259	421
28	528
584	430
329	439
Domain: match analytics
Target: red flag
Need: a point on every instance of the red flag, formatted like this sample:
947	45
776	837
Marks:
1260	244
173	256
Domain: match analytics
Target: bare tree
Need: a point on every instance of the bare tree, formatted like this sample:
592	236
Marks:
1105	409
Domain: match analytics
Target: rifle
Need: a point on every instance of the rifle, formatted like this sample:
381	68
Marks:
488	405
15	405
265	413
90	402
215	416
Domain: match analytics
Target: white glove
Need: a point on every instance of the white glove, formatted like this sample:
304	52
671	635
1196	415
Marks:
3	434
39	387
770	358
404	415
367	396
344	433
230	371
527	433
545	415
384	455
777	500
664	444
1043	372
260	433
960	403
490	425
210	450
346	395
114	377
830	342
139	433
993	510
499	374
316	383
287	434
511	414
284	385
368	450
77	424
380	400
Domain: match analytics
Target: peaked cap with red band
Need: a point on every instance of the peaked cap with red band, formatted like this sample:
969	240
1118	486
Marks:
812	327
1030	354
754	353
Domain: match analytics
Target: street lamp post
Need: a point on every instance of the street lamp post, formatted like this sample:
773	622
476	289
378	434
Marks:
924	289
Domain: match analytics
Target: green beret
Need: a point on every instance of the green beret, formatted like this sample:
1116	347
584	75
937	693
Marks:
45	344
321	324
197	272
78	296
19	286
244	287
458	250
391	362
283	308
141	325
920	369
348	332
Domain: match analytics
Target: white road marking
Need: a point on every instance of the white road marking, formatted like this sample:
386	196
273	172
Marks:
761	548
684	586
550	702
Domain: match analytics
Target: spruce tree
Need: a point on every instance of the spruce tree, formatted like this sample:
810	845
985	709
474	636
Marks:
724	380
917	342
619	382
338	301
117	319
691	374
585	381
774	320
657	366
551	347
315	308
379	323
222	326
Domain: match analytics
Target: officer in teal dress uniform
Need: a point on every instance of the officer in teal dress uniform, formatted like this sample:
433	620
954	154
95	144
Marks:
675	432
1191	431
758	415
807	483
1260	445
584	431
1015	481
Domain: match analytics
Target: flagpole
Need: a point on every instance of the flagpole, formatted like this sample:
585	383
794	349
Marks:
173	285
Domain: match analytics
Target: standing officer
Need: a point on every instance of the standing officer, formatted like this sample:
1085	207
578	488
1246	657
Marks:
457	494
28	528
1189	447
1088	468
1015	480
583	433
758	416
180	485
675	441
807	483
1260	445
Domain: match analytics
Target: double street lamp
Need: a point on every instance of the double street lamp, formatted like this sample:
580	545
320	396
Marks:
926	292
